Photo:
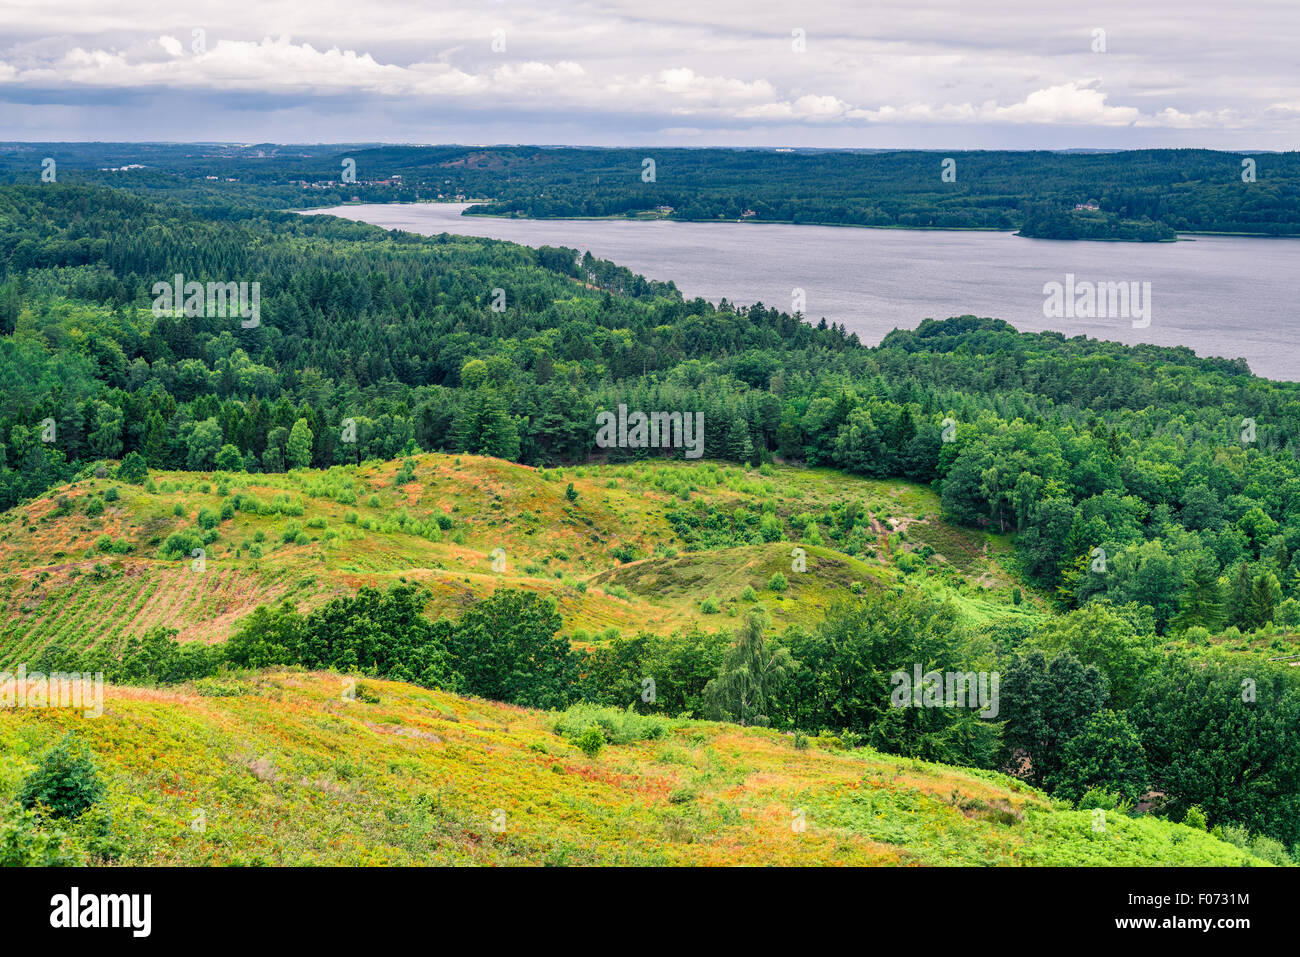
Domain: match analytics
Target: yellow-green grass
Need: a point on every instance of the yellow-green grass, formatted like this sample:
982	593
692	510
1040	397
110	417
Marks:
281	768
612	557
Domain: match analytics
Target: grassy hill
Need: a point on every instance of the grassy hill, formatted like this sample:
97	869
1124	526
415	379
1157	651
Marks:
648	546
282	768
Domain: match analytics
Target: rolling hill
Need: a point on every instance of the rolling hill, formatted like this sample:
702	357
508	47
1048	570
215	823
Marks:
654	547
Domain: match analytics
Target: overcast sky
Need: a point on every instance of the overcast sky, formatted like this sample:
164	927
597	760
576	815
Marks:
989	74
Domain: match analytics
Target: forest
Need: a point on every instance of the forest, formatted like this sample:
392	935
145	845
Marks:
1174	474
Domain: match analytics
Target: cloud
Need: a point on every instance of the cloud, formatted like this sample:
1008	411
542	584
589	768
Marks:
1067	103
1020	69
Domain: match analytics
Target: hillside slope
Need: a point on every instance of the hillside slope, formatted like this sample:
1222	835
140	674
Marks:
281	768
649	546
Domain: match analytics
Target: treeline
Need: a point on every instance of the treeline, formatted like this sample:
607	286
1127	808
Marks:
1141	194
1085	706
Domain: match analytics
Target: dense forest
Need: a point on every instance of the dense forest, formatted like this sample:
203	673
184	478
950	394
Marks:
1139	195
1178	474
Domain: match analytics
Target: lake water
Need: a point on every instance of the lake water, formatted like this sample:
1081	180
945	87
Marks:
1224	296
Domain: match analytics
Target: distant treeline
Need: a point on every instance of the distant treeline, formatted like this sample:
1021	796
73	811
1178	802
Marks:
1140	195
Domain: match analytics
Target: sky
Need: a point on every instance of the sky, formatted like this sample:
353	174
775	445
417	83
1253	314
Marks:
954	75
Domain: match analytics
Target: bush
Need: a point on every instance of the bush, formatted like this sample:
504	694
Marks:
591	740
1105	800
65	781
133	468
179	545
24	844
1195	818
615	726
778	582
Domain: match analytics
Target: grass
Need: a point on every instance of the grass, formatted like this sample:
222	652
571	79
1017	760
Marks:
280	768
643	546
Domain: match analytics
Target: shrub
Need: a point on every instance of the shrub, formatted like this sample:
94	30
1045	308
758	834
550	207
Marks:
778	582
615	726
24	844
591	740
626	553
1094	798
1195	817
179	545
65	781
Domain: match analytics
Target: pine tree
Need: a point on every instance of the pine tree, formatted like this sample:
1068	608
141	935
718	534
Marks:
1265	592
1243	583
1201	602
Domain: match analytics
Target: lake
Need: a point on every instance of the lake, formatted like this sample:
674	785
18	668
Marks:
1224	296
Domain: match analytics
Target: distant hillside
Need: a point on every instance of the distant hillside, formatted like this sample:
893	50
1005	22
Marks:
1184	190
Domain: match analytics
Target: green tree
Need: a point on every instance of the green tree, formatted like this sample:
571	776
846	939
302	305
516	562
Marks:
1107	753
507	648
297	452
1045	705
202	445
229	460
750	677
106	431
133	469
1265	593
1201	602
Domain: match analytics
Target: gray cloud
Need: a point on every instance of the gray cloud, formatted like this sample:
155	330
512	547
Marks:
958	75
